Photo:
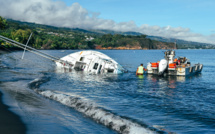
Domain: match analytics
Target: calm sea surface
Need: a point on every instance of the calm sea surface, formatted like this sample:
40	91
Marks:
49	100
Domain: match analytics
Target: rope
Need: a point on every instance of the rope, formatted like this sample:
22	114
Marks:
33	50
16	55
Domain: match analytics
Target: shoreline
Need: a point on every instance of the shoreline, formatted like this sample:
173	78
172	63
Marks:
10	123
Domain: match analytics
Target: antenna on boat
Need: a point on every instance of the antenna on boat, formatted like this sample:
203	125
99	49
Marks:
175	44
26	46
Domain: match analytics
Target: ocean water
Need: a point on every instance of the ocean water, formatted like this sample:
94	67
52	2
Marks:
50	100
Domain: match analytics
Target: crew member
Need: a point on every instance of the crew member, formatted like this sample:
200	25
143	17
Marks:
179	62
140	70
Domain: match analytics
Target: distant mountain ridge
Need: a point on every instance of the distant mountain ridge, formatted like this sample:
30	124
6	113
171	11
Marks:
183	43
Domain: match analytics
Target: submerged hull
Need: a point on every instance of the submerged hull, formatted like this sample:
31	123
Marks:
90	61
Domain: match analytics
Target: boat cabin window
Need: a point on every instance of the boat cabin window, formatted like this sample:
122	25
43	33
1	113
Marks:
82	59
100	67
110	70
79	66
95	66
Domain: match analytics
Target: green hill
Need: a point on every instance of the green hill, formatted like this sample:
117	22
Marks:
50	37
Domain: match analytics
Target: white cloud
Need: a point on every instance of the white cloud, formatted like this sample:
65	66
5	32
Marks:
57	13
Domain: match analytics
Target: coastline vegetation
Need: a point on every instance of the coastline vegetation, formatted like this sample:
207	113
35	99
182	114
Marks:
49	37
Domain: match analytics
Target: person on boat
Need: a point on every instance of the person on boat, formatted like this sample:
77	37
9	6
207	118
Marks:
179	62
176	61
140	70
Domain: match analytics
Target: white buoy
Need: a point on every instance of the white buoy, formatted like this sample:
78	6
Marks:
162	66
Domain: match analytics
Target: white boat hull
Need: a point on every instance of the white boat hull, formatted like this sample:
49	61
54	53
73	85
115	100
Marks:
179	70
90	61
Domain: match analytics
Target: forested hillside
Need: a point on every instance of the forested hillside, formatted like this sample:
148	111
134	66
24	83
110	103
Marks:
48	37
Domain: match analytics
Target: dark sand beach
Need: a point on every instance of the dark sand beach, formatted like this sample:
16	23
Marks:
10	123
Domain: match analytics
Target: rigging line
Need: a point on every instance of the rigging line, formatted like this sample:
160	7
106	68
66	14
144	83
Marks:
30	48
16	55
58	60
35	52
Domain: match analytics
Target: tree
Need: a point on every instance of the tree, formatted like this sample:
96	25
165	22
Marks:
38	43
21	35
90	44
3	23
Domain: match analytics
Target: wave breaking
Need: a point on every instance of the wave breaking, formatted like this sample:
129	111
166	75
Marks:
91	110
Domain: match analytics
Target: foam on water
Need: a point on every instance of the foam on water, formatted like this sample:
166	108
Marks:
99	114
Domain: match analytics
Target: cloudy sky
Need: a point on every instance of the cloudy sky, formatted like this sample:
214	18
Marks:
191	20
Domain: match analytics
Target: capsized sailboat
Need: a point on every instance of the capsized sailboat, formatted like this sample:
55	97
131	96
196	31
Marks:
89	61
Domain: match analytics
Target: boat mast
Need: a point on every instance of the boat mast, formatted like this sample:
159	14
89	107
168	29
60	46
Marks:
26	46
175	45
30	49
